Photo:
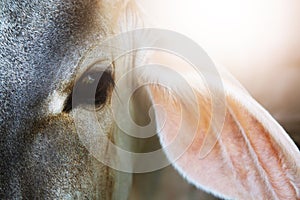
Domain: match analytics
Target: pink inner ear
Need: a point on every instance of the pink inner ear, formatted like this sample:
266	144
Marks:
246	163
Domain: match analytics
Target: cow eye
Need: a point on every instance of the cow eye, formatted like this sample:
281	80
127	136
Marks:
92	88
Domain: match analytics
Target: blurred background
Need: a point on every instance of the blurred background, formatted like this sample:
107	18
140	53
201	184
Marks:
258	41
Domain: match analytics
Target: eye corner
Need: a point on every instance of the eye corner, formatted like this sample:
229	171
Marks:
68	104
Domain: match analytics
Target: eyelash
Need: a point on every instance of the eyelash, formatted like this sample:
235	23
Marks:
88	82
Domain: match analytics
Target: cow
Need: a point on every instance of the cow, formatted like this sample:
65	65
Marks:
44	46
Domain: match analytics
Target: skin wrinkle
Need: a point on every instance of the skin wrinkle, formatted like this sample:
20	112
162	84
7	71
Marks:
249	149
228	160
273	182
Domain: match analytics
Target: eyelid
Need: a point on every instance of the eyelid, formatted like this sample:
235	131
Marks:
93	69
99	65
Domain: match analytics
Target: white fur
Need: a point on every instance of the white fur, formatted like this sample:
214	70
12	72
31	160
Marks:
56	102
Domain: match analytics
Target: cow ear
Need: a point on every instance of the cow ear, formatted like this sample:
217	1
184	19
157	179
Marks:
253	157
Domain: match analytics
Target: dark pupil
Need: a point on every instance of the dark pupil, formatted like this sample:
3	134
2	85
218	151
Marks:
93	87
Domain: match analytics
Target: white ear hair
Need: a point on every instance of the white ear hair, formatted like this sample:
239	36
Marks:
253	158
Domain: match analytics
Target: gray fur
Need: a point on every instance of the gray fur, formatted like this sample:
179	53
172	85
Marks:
41	42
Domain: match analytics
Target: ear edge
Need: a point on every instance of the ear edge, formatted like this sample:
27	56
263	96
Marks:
270	121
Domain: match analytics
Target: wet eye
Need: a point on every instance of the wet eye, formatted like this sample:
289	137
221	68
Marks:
92	88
